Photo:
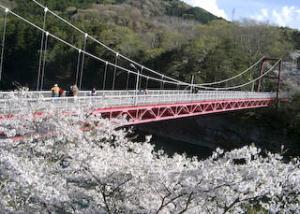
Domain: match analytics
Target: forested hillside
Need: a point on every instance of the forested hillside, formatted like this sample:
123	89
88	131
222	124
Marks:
166	35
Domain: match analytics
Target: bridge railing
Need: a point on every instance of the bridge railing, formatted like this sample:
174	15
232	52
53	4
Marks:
8	106
39	94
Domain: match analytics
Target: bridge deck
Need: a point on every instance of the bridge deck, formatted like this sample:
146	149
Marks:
140	107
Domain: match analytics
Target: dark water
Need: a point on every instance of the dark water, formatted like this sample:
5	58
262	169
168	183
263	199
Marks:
171	146
200	136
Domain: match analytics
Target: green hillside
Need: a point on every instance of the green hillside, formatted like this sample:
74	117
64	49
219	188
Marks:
166	35
150	8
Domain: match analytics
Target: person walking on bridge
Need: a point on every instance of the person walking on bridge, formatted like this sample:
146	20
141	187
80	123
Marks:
75	90
55	90
61	92
93	92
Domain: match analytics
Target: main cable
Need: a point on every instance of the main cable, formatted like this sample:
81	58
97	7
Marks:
234	77
105	46
178	83
245	84
89	54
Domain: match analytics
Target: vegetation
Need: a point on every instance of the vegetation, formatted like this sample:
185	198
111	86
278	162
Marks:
169	36
80	163
287	121
85	165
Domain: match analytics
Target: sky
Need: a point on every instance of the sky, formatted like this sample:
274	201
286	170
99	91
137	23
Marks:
284	13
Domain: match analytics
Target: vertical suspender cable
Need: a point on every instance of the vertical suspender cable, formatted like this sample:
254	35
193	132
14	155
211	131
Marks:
3	43
78	67
161	83
147	81
105	74
261	73
41	50
137	87
253	85
44	61
124	57
140	81
127	80
115	71
192	84
82	61
86	52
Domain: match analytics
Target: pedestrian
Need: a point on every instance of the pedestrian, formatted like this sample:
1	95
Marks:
61	92
70	92
55	90
75	90
93	92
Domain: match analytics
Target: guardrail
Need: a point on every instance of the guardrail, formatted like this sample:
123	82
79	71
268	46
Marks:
39	94
11	106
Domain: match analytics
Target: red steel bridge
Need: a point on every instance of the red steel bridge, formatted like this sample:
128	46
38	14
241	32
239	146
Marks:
154	96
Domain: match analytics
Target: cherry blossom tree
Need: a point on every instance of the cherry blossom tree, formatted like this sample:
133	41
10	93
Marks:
78	162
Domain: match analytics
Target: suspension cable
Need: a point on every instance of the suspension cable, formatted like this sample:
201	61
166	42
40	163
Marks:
105	46
245	84
147	81
161	83
44	61
82	60
105	73
179	83
87	53
41	50
3	43
78	67
110	49
234	77
127	81
141	78
115	71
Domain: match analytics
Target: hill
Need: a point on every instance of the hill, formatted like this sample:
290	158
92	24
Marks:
150	8
166	35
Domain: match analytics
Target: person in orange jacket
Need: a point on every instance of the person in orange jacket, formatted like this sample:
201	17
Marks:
55	91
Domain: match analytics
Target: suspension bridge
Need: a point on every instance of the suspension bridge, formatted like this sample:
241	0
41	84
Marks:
154	95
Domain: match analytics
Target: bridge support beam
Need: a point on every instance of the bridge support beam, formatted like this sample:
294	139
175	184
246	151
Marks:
147	114
262	67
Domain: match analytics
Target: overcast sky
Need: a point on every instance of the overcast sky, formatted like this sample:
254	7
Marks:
278	12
